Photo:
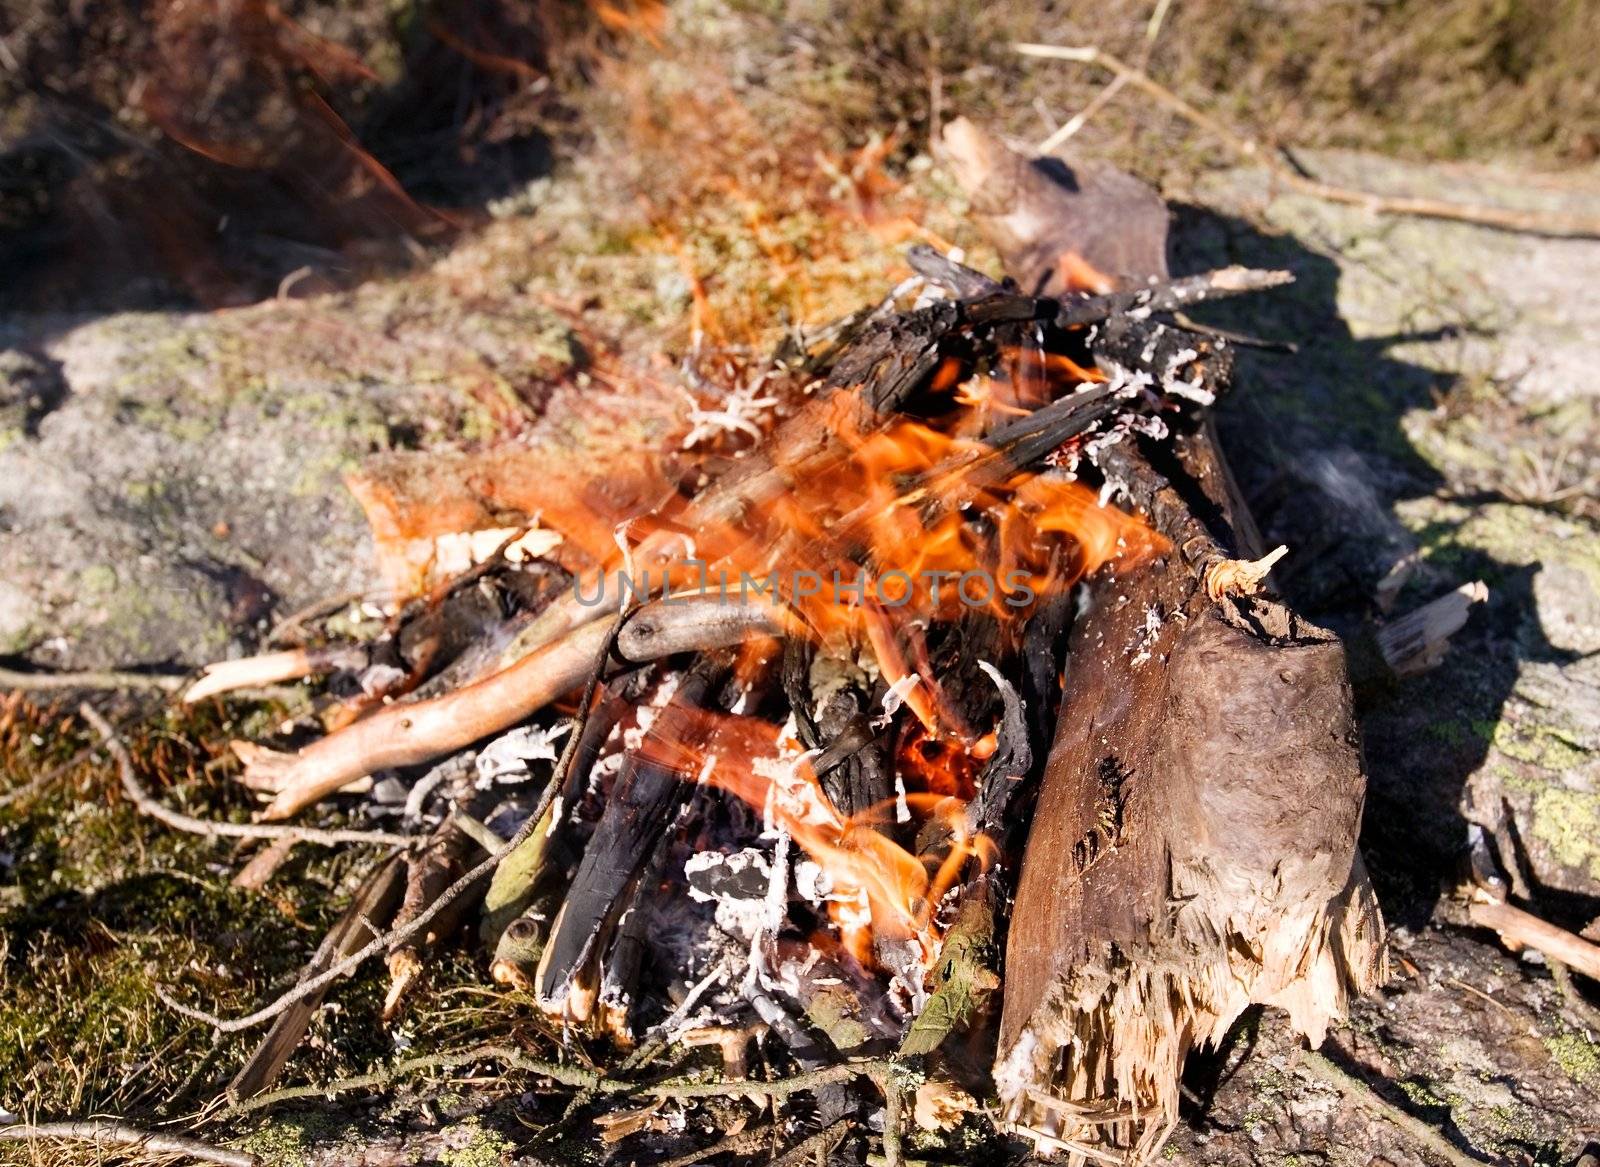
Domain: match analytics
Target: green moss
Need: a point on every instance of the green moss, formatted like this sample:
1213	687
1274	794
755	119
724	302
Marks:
1569	822
99	580
1578	1057
1421	1093
1539	745
281	1142
483	1147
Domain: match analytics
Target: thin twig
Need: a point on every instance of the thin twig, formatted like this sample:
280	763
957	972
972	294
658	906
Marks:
104	1133
1519	929
1363	1094
89	679
146	803
742	1143
1504	219
378	1079
512	1059
1560	974
1171	295
1152	30
384	941
817	1147
1080	119
893	1116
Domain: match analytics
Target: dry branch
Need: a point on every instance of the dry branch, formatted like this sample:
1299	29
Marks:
95	679
461	886
1519	929
1172	295
270	669
401	735
1500	218
373	903
146	803
107	1133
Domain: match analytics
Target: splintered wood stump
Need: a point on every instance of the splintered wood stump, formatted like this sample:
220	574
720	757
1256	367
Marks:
1193	850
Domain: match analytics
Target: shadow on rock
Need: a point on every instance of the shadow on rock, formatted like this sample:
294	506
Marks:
1317	441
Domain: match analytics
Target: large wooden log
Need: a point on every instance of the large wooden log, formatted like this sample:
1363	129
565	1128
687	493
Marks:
1193	850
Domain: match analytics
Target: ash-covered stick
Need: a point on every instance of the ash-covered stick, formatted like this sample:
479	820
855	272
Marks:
516	913
1170	295
619	977
1027	440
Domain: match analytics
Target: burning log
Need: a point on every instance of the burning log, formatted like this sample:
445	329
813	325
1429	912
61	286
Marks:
1193	848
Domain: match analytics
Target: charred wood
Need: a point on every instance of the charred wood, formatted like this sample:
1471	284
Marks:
647	794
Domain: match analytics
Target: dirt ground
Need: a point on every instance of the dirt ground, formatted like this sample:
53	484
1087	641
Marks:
171	484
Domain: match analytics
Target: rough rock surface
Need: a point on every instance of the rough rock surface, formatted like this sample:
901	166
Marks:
171	482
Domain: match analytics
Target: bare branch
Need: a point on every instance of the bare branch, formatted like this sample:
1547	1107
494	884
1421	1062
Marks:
384	941
106	1133
93	679
146	803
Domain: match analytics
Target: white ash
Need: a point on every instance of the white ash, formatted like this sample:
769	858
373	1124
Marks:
794	793
740	411
791	977
1179	360
1127	382
389	791
812	882
737	883
645	714
894	697
1191	390
1148	635
507	758
684	1016
830	673
1151	425
775	906
446	771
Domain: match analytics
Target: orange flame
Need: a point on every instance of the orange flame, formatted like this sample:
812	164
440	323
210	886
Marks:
877	889
899	527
